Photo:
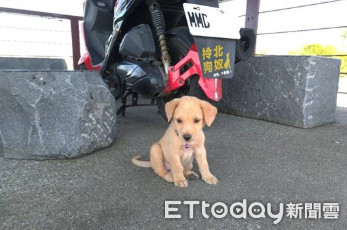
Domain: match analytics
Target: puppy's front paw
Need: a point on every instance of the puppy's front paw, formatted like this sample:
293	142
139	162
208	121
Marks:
210	179
181	183
168	178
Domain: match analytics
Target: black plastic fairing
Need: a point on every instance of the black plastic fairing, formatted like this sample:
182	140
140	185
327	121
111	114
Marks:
97	27
141	77
123	22
138	43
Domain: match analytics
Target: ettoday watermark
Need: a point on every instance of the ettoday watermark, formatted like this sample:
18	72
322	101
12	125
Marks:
256	210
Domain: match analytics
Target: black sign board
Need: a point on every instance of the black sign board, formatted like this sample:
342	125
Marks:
217	56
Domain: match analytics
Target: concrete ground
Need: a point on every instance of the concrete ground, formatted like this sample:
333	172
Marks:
254	160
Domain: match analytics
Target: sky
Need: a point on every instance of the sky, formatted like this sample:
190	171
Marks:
35	36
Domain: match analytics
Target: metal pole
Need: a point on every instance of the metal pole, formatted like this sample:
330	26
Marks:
252	12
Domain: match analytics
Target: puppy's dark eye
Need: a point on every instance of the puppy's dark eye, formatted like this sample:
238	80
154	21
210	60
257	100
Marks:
196	120
179	120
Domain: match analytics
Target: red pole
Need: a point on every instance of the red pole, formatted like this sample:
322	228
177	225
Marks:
76	53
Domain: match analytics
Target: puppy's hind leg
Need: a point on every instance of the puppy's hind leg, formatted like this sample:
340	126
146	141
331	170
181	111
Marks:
157	162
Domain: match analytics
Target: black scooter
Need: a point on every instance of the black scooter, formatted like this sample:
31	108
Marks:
146	47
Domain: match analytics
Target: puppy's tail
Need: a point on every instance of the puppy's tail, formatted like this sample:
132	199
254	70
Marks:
136	161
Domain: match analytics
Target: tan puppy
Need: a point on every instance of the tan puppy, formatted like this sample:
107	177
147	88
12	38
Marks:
172	157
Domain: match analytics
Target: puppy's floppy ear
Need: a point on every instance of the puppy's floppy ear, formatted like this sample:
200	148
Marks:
170	108
209	111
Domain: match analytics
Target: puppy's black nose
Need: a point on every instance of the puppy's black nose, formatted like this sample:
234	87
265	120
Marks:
187	137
